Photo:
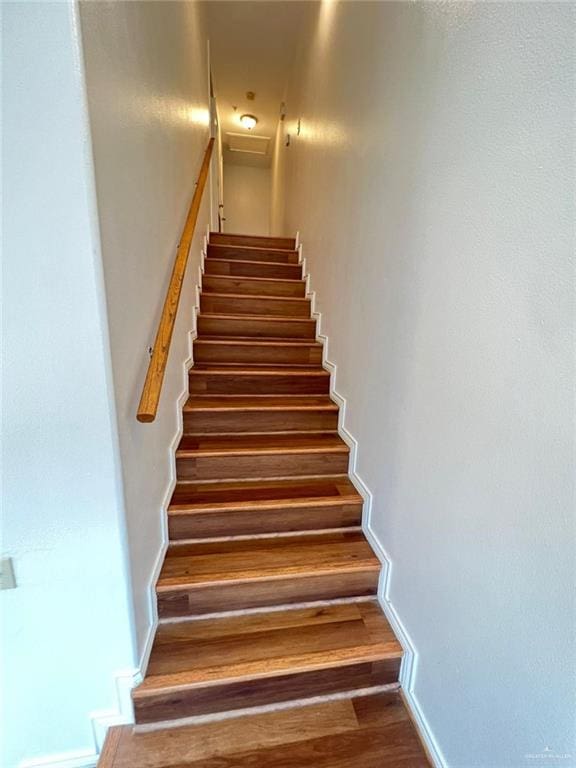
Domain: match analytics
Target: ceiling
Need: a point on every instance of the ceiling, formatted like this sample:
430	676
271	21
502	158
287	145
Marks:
252	44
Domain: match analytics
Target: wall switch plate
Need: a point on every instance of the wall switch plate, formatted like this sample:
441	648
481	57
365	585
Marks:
7	579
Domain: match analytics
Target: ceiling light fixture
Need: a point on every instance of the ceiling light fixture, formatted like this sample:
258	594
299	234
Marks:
248	121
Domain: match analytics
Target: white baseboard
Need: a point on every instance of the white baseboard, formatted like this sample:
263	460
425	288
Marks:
121	714
410	657
78	759
186	365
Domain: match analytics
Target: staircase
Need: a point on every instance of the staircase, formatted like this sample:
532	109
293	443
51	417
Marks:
269	623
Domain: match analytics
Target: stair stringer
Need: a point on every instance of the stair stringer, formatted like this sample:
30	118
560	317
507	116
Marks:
186	365
409	663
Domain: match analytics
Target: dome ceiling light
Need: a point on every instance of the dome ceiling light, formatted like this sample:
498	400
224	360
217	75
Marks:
248	121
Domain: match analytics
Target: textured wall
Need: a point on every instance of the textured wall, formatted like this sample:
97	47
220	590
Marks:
433	184
66	627
147	84
247	199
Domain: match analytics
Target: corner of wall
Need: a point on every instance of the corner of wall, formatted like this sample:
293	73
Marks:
121	714
409	664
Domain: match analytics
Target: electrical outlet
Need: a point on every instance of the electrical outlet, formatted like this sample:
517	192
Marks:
7	580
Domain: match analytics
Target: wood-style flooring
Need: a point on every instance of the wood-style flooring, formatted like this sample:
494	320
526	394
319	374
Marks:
363	732
269	626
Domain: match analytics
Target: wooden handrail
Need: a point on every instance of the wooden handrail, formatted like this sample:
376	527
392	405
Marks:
157	366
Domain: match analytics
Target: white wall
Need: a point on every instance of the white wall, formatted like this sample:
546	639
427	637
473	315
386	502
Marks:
278	183
247	199
433	184
66	627
147	83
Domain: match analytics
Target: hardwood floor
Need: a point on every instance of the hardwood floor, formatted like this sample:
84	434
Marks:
363	732
200	510
267	594
232	662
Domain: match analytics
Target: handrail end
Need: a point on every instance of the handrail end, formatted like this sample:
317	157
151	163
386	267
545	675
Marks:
145	417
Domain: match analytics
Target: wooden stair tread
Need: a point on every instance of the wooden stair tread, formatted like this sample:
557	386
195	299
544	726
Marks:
222	238
233	278
250	304
242	268
201	511
357	732
275	318
261	645
248	369
249	248
270	341
263	493
198	564
259	403
280	366
261	326
252	253
295	265
295	663
263	519
261	444
215	295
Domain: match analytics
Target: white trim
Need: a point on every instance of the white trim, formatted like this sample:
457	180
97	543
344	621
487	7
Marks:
188	362
82	758
121	714
410	659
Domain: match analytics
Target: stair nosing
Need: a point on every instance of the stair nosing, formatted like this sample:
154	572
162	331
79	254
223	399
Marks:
275	478
261	433
189	510
355	567
254	237
252	277
173	544
183	510
266	318
348	657
258	408
263	709
253	247
244	341
269	370
185	453
248	261
253	297
273	608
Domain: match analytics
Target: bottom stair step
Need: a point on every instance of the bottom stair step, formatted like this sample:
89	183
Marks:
358	732
233	662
